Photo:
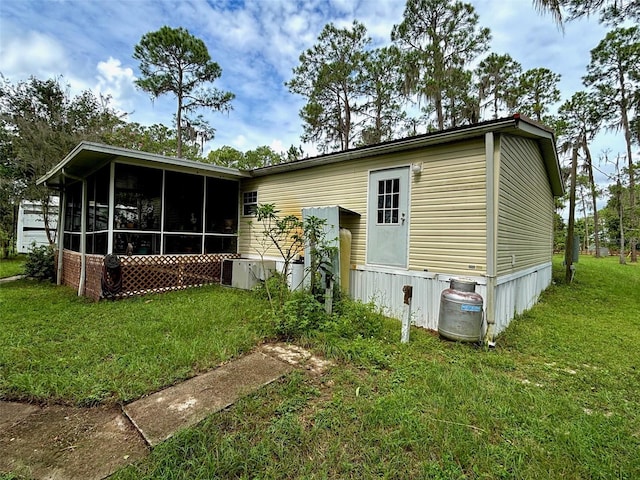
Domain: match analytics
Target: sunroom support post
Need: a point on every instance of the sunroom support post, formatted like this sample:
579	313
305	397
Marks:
83	239
112	206
492	234
61	220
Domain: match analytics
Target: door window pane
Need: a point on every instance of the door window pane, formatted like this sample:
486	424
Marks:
388	201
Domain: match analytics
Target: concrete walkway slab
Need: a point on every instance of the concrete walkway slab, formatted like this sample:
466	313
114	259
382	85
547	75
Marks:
162	414
12	279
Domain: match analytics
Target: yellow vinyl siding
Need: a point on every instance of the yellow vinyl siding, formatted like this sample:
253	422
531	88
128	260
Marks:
447	203
448	210
525	207
343	184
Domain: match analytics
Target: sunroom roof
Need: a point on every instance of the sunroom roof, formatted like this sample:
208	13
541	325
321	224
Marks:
88	157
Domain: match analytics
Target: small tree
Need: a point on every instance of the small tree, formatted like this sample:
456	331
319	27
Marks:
290	235
439	37
174	61
537	91
498	82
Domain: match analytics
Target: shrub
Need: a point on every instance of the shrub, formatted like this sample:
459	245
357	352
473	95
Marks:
300	315
303	315
40	263
353	319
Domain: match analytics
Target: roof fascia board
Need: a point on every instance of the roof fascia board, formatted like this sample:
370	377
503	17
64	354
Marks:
179	168
391	147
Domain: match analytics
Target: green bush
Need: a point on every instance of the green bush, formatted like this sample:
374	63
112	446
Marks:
40	263
300	315
353	319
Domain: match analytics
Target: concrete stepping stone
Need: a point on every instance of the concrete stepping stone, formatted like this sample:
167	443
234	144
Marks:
162	414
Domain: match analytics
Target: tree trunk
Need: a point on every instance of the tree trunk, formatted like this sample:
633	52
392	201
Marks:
179	117
568	251
632	181
623	260
438	106
45	217
592	184
585	243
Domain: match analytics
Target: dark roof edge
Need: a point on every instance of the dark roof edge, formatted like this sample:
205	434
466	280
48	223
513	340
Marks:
516	124
138	155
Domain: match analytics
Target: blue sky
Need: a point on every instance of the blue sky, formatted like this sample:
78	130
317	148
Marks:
257	44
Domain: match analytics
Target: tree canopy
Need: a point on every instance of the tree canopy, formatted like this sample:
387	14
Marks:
174	61
440	38
327	77
41	123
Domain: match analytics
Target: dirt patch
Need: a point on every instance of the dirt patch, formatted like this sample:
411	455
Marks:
69	443
298	357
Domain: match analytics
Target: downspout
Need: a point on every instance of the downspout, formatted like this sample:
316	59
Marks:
492	236
61	219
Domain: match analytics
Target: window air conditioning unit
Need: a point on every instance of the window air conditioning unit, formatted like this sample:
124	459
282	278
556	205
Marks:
246	273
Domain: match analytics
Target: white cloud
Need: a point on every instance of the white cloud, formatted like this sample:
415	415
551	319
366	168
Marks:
31	53
276	146
117	82
240	142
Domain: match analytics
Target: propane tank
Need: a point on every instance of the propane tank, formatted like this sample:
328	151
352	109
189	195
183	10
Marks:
461	311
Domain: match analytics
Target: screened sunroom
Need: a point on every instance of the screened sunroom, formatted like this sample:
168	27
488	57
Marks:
168	217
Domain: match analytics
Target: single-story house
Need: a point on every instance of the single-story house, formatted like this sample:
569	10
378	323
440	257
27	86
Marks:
474	201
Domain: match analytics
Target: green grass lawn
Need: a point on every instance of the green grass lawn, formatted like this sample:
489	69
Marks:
559	397
57	347
12	266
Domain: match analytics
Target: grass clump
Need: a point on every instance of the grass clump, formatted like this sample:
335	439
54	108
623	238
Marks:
57	347
12	266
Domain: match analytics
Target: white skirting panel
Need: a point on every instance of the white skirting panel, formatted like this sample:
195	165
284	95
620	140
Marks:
384	289
518	292
515	292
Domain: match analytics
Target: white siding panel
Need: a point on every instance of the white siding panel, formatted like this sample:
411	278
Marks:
518	292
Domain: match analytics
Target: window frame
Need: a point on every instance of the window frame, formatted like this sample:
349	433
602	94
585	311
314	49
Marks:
249	208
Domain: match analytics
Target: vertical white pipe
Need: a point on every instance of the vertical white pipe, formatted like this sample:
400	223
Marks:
492	234
112	206
162	211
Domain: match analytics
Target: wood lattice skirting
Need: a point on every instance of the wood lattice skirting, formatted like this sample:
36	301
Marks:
144	274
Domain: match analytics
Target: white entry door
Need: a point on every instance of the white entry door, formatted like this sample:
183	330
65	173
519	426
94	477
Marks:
388	217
